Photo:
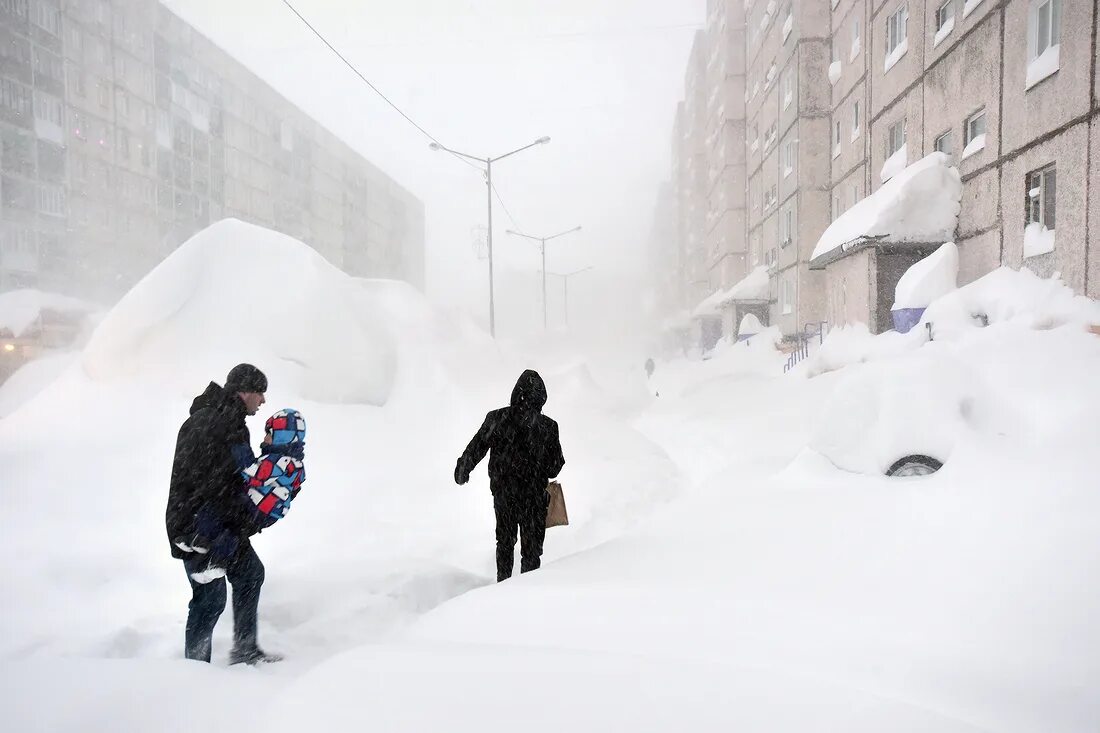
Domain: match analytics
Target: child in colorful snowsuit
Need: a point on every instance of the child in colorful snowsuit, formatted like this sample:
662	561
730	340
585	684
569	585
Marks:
269	485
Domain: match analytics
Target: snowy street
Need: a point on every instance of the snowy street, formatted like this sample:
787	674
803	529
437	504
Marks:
729	563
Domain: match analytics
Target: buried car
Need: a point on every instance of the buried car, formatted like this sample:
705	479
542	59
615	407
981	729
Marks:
900	416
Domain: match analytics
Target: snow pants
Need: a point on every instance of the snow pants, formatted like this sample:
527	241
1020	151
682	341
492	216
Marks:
245	573
523	516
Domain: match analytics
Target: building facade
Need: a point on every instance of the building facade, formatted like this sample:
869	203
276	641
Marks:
841	95
125	131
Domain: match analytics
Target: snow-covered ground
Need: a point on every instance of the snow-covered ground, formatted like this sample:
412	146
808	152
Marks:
735	561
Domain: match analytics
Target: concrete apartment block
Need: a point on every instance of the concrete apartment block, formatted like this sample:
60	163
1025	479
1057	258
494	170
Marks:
126	131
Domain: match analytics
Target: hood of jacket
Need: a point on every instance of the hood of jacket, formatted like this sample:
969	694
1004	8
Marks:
529	394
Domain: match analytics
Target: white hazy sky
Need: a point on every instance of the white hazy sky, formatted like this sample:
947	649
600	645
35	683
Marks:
600	77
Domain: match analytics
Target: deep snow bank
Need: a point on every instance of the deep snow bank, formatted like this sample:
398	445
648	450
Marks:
237	292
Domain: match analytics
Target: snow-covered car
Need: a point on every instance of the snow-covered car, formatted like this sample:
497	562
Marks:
898	416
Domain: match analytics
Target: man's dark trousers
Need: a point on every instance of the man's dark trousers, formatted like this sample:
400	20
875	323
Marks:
525	516
246	574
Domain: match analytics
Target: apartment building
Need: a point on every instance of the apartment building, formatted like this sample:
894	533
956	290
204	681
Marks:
726	179
1008	90
125	131
842	95
691	172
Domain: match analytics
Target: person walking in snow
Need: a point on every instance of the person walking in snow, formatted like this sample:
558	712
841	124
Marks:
525	455
268	488
211	449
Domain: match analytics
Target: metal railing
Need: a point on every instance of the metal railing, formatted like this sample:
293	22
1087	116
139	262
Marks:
809	331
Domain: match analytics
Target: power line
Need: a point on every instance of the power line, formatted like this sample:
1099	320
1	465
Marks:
387	100
367	81
515	224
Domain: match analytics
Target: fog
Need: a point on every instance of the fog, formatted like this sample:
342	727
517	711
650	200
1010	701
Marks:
602	79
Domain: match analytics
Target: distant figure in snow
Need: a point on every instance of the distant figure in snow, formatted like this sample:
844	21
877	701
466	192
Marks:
525	455
211	449
649	368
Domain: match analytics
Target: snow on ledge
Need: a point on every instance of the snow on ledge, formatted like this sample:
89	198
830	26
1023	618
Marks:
933	277
896	54
968	8
894	164
944	32
919	204
834	72
1038	240
974	146
1042	67
753	286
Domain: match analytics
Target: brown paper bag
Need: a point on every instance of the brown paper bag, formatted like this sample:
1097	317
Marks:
556	514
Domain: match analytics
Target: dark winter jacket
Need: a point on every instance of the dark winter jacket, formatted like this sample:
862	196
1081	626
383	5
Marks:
211	448
525	449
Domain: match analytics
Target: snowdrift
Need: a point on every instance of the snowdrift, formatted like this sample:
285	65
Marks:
237	292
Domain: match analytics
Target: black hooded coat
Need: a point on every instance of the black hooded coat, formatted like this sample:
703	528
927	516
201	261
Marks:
525	452
211	448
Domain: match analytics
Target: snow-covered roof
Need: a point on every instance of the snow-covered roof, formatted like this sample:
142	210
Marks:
753	286
19	309
919	204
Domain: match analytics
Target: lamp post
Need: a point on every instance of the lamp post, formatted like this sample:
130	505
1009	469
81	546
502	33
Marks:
565	286
489	186
542	242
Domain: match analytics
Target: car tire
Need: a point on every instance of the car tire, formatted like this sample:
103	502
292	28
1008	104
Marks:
914	466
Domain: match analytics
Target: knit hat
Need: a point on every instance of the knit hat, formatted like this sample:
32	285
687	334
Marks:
245	378
287	427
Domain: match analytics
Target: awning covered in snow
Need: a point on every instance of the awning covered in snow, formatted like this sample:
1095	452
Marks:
919	205
752	287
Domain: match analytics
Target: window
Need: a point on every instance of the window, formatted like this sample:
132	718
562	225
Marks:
1040	194
1044	25
943	15
855	39
14	97
897	29
788	89
837	207
788	158
50	199
836	138
786	300
48	109
101	94
895	138
787	227
18	8
943	143
975	127
855	120
47	16
855	194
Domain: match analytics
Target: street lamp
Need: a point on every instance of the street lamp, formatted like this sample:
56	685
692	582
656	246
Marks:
543	241
489	185
565	285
